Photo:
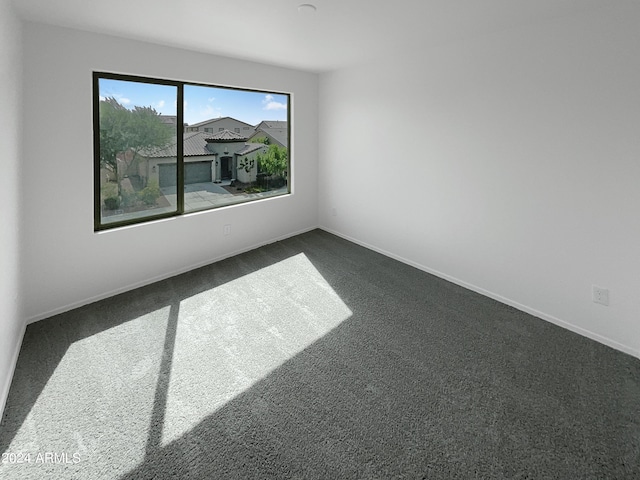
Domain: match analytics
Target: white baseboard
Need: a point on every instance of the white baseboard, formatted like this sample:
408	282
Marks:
532	311
4	393
524	308
164	276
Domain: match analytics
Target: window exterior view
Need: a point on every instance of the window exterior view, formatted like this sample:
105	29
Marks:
165	148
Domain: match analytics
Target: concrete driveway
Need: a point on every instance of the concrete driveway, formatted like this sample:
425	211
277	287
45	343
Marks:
200	196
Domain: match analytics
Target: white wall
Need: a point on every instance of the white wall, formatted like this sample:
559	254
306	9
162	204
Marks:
11	319
65	262
510	164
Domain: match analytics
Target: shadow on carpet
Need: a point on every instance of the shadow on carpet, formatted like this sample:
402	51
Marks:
316	358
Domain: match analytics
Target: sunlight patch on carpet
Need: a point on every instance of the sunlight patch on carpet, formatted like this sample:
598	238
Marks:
234	335
80	409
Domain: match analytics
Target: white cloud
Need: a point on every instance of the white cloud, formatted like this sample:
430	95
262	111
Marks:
207	111
124	101
270	104
160	104
211	99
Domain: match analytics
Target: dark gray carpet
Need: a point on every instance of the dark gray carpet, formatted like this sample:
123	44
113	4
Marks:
316	358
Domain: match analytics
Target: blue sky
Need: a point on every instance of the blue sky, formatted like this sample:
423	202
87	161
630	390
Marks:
201	103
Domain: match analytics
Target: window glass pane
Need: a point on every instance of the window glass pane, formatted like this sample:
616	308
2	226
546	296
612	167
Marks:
137	150
247	157
163	148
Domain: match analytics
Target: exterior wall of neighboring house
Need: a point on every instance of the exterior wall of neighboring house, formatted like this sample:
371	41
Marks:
219	124
225	165
243	175
225	148
230	155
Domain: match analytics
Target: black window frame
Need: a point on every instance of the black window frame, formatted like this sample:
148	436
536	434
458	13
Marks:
96	76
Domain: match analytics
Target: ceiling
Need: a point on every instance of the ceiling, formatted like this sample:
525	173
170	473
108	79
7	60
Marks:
338	34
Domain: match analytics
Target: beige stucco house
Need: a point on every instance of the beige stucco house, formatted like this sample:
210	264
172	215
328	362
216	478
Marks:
208	158
216	125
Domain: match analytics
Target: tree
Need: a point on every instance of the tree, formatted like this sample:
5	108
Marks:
274	161
264	140
113	121
127	132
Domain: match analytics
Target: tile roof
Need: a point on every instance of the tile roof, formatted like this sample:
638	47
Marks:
214	120
251	147
272	124
194	144
225	136
278	134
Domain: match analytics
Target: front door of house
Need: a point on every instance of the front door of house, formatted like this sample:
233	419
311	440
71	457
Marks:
225	168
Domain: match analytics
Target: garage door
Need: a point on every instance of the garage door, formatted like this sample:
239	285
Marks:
168	175
197	172
194	172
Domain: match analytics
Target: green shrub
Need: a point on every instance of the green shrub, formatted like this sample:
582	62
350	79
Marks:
109	192
109	189
254	189
112	203
129	198
149	194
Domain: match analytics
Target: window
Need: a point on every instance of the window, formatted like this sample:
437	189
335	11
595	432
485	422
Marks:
146	167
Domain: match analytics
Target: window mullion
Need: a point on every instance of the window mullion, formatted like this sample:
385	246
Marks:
180	149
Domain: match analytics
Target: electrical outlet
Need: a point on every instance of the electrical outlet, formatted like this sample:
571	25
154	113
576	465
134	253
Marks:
226	230
600	295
